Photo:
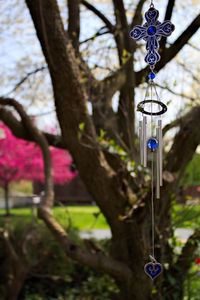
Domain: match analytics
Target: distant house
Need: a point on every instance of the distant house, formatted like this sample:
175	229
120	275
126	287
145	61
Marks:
73	192
16	199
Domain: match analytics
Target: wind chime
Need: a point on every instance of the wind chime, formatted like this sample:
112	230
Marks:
151	108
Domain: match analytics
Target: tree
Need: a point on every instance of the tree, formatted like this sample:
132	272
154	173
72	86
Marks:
105	174
20	159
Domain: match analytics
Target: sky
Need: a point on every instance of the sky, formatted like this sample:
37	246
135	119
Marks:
20	53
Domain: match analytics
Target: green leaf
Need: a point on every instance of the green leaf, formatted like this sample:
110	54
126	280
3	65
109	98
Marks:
154	291
81	126
168	102
102	133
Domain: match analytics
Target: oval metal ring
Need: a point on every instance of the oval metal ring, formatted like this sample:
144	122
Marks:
141	105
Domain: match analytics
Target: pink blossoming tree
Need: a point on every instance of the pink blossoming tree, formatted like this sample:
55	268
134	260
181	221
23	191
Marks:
20	159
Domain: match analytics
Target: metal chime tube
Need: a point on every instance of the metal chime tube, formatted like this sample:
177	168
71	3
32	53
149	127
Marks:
160	151
145	141
141	142
158	165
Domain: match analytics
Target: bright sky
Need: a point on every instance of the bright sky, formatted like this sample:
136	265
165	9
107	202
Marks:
20	53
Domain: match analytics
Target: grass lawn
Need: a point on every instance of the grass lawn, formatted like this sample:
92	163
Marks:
89	217
81	217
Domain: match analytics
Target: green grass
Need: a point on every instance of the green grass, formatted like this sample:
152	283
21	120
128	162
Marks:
81	217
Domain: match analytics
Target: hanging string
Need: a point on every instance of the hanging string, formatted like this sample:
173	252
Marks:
152	207
151	95
152	178
154	86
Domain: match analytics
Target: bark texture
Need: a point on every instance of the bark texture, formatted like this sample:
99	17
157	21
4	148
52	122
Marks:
15	267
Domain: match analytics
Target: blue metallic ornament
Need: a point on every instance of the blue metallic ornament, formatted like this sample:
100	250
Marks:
152	144
151	32
153	270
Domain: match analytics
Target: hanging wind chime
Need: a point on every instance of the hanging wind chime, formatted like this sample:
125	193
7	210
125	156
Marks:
151	108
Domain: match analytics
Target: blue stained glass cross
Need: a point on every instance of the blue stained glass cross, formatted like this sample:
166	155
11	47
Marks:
151	32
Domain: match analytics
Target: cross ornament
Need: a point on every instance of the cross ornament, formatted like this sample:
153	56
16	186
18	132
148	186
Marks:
151	32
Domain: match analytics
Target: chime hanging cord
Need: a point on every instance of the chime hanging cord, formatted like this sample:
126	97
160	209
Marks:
152	180
152	169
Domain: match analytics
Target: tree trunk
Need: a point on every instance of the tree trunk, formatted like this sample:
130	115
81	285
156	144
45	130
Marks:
17	283
139	289
6	195
14	268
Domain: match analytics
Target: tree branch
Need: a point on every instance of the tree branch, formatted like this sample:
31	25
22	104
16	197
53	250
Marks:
168	15
185	142
169	53
21	132
137	19
195	78
99	14
96	261
184	146
122	38
24	79
120	14
114	82
178	270
193	46
171	125
175	93
5	237
110	84
169	10
98	33
47	202
187	254
183	38
74	22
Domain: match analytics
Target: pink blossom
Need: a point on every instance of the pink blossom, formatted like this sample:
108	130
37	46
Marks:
20	159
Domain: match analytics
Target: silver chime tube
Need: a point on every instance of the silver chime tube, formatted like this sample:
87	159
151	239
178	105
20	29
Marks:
160	151
144	141
141	142
158	165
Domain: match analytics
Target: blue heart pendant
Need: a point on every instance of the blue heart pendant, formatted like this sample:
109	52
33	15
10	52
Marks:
153	269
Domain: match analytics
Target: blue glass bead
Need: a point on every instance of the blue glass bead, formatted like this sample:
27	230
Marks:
152	143
151	30
152	75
